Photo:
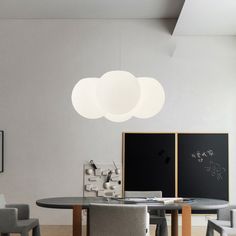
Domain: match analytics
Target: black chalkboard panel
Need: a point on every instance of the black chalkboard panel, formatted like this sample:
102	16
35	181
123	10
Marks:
149	162
203	166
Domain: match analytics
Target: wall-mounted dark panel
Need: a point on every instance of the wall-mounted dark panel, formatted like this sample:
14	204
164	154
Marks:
149	162
203	166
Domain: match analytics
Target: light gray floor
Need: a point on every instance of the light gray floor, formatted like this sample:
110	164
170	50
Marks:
65	230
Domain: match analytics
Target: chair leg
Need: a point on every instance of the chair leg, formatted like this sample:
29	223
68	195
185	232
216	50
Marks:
161	229
36	231
210	231
157	233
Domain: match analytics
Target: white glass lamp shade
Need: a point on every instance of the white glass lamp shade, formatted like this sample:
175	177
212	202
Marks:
152	98
84	98
118	92
118	96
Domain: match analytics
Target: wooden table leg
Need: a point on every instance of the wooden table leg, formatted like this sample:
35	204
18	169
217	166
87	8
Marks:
88	231
77	220
186	220
174	223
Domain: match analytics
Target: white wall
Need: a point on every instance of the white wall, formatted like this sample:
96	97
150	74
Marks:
47	142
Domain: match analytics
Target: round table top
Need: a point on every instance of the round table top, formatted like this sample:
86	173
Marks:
70	202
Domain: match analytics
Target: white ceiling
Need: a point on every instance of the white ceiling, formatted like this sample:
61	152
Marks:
67	9
207	17
198	17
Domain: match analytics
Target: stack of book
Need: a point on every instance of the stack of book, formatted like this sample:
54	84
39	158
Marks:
163	200
170	200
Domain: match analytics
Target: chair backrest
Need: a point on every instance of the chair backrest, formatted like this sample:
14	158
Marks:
143	193
224	213
117	220
8	218
2	201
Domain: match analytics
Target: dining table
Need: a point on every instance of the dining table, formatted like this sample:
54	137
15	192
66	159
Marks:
77	204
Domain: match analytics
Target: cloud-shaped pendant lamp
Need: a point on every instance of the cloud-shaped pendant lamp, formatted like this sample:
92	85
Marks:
118	96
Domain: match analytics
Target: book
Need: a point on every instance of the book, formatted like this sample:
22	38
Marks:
151	200
170	200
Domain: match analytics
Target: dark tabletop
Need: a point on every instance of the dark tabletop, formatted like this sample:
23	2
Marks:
70	202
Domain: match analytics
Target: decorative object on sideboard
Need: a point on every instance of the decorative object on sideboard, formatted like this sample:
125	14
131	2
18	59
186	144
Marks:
102	180
1	151
118	96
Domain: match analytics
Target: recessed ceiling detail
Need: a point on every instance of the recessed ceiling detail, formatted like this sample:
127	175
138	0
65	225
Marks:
207	17
69	9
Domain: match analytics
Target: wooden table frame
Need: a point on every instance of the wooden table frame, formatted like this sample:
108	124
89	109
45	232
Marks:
186	221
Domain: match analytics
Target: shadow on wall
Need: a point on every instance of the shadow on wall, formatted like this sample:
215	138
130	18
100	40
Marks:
169	25
173	15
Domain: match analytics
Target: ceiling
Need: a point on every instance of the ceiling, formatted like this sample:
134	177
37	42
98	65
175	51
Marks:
207	17
70	9
195	17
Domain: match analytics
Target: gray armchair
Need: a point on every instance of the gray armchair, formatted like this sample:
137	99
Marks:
225	224
118	220
14	218
157	217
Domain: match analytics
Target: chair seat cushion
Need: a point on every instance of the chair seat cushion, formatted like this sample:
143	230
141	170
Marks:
223	223
229	231
223	227
25	225
218	225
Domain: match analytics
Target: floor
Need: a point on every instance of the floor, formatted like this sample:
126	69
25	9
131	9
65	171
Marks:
56	230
